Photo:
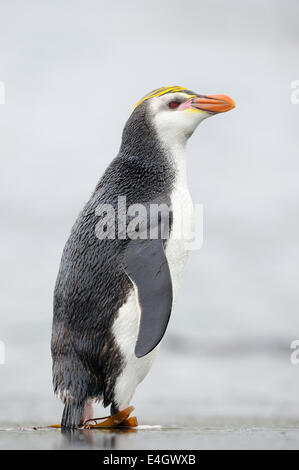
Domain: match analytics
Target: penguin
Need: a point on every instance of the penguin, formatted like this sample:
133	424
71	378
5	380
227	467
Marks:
114	294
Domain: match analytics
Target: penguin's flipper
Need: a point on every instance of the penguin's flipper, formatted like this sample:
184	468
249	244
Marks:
146	265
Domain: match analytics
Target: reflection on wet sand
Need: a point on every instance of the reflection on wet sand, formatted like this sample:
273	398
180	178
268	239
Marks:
86	438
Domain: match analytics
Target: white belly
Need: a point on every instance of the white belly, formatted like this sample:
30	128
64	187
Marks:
125	330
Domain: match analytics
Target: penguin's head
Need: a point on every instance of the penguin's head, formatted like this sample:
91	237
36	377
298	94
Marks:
175	111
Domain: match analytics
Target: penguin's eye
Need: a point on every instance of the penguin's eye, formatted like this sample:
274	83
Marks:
173	104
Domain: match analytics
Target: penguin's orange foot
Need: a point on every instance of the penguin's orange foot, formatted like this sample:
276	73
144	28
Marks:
119	419
130	422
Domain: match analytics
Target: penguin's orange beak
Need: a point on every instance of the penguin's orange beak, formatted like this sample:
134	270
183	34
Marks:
213	103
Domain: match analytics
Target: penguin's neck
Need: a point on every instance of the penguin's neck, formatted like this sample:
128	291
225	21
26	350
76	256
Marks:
176	151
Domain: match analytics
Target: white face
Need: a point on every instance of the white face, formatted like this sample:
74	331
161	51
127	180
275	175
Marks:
174	117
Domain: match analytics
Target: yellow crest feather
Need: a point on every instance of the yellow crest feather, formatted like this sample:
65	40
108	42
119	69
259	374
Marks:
160	91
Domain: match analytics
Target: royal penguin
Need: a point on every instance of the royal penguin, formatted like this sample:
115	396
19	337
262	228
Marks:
116	287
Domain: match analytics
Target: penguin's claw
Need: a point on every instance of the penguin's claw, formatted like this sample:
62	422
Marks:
119	419
87	422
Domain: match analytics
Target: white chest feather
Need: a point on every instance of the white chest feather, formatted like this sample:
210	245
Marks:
183	221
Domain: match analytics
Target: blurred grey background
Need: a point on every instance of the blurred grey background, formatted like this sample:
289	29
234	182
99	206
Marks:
72	71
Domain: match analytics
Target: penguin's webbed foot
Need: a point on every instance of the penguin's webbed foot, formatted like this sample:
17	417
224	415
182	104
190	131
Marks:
121	418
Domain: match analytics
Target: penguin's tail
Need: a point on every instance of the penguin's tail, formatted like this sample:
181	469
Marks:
72	414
